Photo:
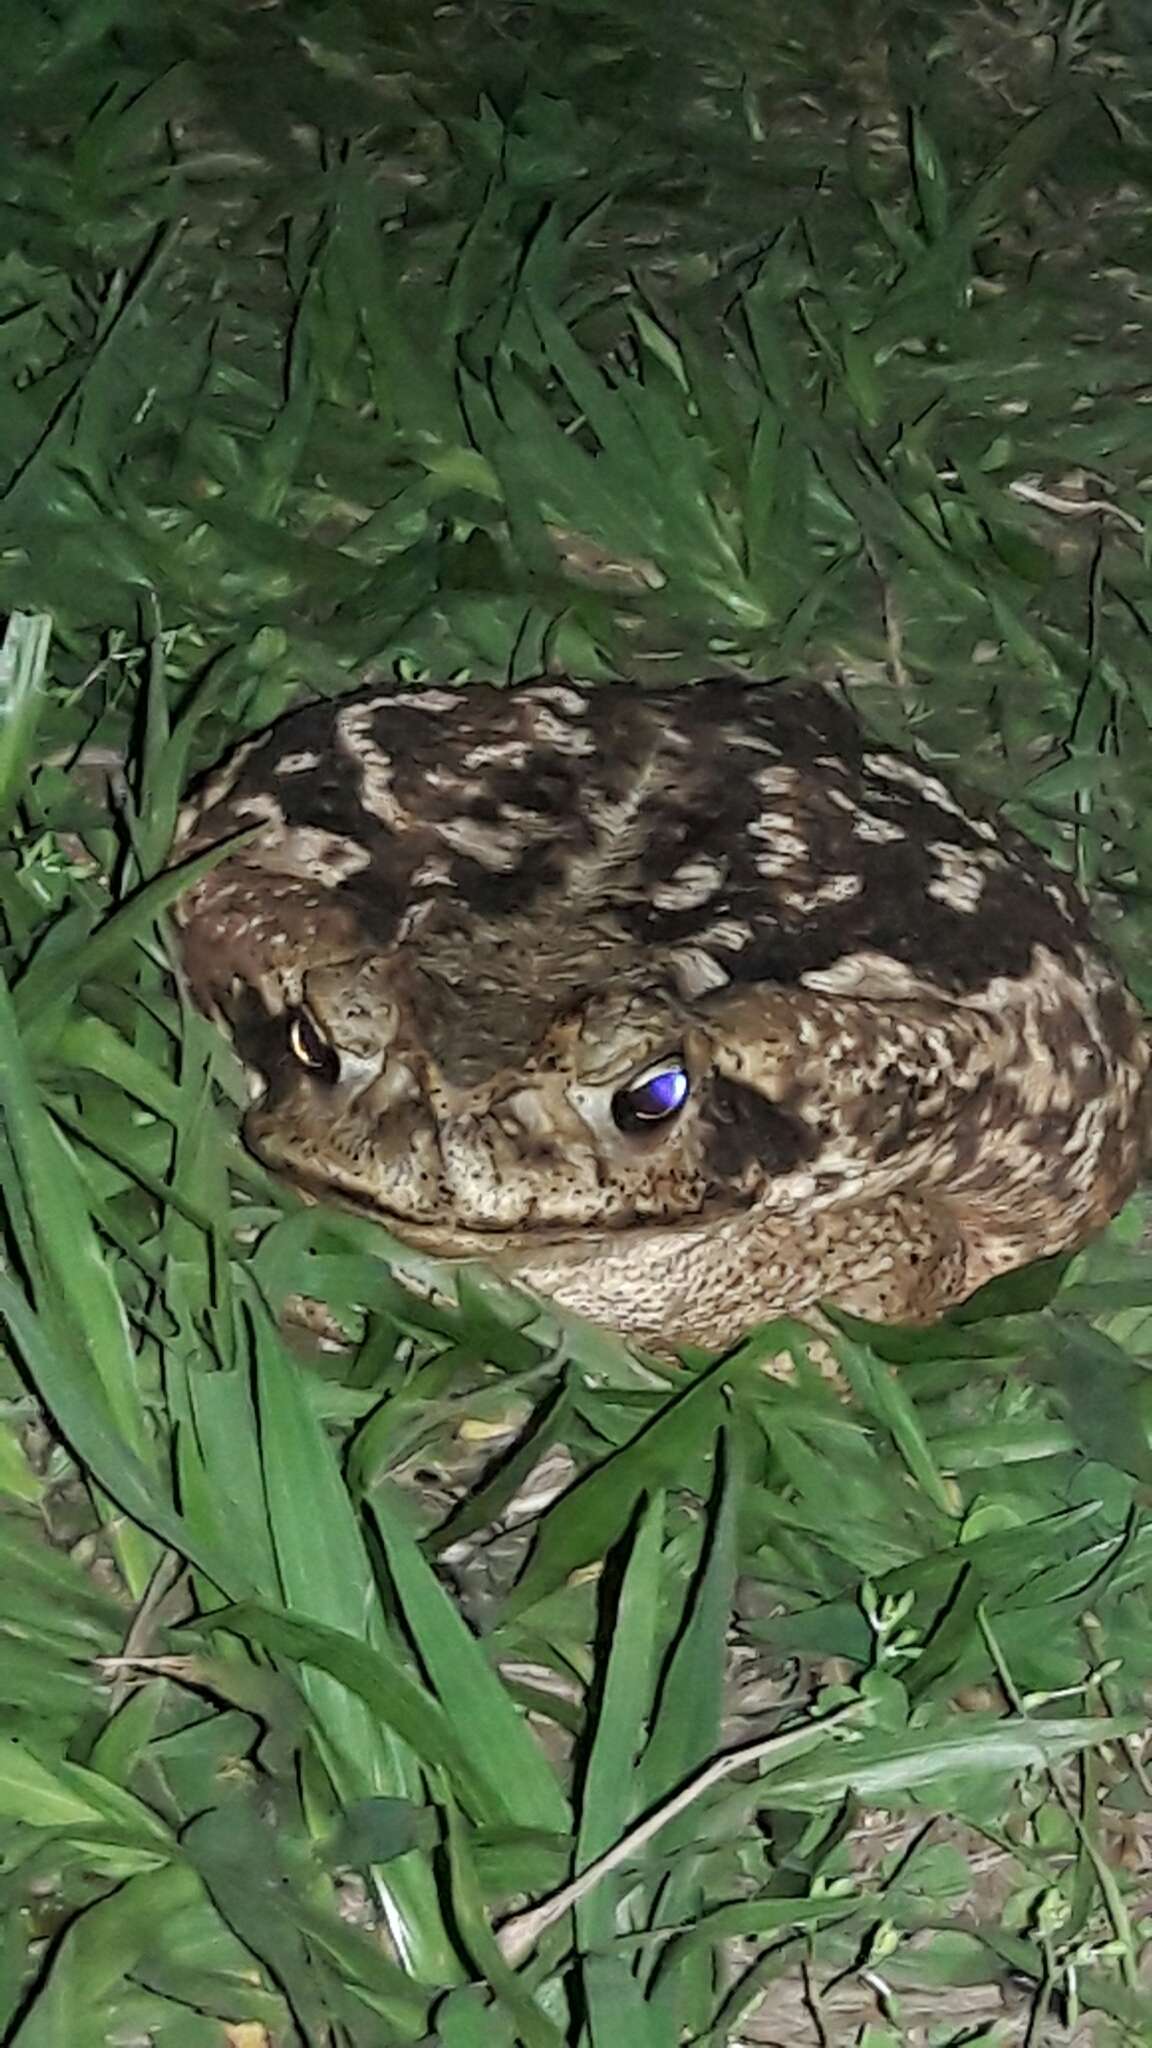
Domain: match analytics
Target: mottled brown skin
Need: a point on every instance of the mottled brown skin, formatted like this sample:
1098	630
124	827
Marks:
469	917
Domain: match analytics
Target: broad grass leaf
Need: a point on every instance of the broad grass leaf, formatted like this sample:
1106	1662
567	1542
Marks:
412	390
686	1733
87	1042
502	1750
41	1796
264	1885
374	1678
48	980
1106	1395
883	1770
65	1239
377	1830
363	1976
18	1480
126	1734
934	275
47	1593
618	2008
87	1424
466	2019
252	1885
747	1919
610	1790
507	1860
326	1578
221	1477
880	1392
1004	1566
484	1505
23	661
685	1728
95	1954
471	1917
591	1514
44	1696
931	178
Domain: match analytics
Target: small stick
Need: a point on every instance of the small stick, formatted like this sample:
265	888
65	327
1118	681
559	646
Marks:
521	1933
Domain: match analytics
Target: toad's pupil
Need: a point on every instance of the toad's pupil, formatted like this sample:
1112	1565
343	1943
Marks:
650	1100
312	1050
661	1095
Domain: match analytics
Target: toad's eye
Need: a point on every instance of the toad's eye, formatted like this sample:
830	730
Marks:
653	1097
311	1048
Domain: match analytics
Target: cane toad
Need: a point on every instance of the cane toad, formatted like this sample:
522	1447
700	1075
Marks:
681	1007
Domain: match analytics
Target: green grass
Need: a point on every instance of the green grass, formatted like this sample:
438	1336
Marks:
341	1691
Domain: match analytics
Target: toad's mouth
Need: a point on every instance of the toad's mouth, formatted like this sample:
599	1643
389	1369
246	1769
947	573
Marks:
518	1254
502	1244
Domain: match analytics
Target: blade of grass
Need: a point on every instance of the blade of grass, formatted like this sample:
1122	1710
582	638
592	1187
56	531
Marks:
86	1423
325	1577
503	1751
98	1949
23	661
608	1792
686	1723
373	1676
686	1731
47	982
534	2028
883	1769
591	1514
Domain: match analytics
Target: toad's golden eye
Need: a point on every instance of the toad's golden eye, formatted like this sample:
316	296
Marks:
311	1048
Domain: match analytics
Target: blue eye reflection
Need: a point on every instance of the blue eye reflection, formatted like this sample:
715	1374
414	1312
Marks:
653	1097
